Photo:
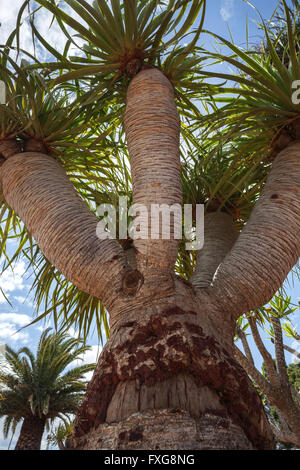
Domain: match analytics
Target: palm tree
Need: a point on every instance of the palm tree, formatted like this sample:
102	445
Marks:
38	389
167	377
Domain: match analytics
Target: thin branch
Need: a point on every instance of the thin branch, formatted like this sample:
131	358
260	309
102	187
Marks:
287	437
247	350
279	352
268	360
251	370
291	350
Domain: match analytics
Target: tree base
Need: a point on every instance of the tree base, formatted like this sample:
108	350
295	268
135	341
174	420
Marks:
167	430
165	370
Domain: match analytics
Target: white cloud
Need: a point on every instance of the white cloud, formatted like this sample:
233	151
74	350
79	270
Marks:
10	323
2	299
42	19
12	279
23	300
227	9
16	318
92	355
44	326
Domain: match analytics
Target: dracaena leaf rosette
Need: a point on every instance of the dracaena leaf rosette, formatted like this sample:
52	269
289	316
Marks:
38	116
261	103
124	36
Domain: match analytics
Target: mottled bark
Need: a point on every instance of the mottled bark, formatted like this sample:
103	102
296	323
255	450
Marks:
152	128
31	433
38	189
168	380
269	245
220	234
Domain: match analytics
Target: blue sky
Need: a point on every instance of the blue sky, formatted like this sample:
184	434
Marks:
221	14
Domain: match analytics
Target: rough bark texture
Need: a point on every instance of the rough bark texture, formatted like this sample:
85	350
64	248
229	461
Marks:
31	433
168	367
268	247
220	234
38	189
152	129
169	430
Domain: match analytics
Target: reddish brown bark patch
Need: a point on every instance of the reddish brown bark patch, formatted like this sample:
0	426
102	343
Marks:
162	349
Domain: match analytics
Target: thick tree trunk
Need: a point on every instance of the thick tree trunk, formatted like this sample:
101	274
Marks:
167	379
31	433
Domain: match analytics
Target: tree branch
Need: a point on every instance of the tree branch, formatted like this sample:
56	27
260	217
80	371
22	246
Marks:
269	245
268	360
152	129
245	344
37	188
279	353
220	234
251	370
287	409
291	350
282	436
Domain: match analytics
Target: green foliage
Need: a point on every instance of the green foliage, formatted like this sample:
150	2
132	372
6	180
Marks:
293	371
58	437
46	384
277	27
259	104
120	37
